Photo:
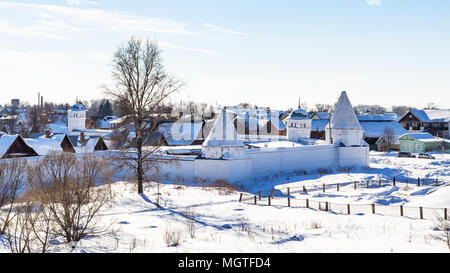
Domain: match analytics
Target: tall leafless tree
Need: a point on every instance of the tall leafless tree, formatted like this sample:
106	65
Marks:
141	85
388	139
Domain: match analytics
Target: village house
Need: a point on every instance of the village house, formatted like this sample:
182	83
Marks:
375	126
423	142
14	146
319	121
435	122
45	145
83	144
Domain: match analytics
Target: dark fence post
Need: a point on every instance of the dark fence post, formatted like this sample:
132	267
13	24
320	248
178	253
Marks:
373	208
418	181
304	190
268	198
445	214
323	187
393	181
255	199
421	213
289	201
436	181
354	185
326	206
240	198
367	183
289	192
379	183
401	210
307	203
348	209
259	193
337	186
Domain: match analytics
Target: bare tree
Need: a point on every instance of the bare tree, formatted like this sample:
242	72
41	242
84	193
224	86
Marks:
328	108
141	85
388	139
401	110
12	181
73	191
37	119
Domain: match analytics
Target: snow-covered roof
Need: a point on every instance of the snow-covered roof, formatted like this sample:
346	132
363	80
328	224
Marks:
58	128
180	133
275	144
5	143
432	115
77	107
44	146
105	122
319	124
376	129
223	132
298	114
419	136
322	115
378	118
344	116
7	140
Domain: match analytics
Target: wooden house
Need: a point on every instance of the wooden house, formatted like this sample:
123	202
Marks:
435	122
46	145
14	146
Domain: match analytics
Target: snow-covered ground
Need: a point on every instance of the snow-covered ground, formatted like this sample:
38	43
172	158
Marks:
222	224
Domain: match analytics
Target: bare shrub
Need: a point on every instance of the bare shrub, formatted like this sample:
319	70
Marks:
12	182
19	231
190	221
443	227
316	224
172	236
223	186
245	226
73	189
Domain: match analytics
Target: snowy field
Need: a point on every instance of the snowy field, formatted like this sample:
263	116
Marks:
222	224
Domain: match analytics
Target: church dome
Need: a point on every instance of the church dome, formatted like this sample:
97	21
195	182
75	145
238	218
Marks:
77	107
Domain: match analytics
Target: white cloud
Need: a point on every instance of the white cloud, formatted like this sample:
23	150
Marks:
85	20
373	2
91	3
224	30
79	2
73	2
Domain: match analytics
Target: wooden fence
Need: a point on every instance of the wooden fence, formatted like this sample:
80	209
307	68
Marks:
336	187
268	198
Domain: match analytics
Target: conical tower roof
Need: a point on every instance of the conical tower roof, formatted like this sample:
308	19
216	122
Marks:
223	132
344	116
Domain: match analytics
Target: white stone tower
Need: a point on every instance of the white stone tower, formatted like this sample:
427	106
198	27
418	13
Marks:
222	142
344	125
76	117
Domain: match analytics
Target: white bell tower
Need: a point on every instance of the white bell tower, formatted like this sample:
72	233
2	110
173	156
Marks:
76	117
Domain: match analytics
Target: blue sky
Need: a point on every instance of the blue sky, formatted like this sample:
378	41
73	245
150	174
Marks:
269	53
